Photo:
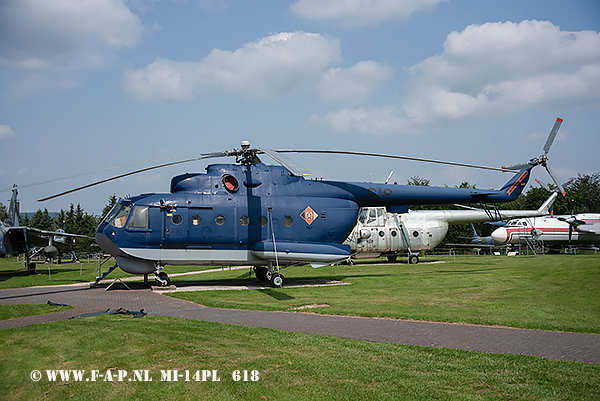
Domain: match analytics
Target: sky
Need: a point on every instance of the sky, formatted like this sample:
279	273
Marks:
95	88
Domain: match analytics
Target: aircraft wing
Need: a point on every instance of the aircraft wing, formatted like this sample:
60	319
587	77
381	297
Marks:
37	237
36	231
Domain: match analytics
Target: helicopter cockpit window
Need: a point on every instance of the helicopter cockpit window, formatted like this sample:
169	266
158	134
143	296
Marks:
230	183
139	218
363	216
121	217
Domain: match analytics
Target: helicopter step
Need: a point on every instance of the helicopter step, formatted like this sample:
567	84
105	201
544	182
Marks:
104	274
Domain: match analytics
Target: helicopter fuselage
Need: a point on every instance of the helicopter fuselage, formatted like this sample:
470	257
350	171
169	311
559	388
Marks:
258	214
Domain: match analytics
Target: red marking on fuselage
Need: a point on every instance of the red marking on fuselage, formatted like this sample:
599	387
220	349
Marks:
517	183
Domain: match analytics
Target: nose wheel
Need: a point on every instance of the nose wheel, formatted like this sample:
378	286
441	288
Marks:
162	280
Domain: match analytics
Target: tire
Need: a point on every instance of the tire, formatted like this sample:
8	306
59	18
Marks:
261	273
277	280
163	280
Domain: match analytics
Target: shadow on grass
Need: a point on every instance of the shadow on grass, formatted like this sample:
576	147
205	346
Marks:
276	294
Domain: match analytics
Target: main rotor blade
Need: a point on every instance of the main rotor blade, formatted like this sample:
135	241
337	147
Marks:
552	135
344	152
203	156
294	167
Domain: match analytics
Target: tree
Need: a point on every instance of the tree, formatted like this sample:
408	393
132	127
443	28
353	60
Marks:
584	191
42	220
24	220
418	181
112	201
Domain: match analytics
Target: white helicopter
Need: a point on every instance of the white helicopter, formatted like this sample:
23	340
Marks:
381	233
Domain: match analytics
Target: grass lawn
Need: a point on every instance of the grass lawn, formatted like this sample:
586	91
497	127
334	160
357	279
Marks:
556	292
549	292
16	311
290	366
15	275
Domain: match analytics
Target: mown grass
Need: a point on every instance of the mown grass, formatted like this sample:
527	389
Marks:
291	366
15	275
16	311
548	292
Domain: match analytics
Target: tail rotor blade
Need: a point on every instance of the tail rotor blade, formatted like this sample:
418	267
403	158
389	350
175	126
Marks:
519	166
558	185
552	135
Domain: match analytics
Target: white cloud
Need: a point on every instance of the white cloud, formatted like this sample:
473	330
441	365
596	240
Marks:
373	121
271	66
354	84
60	34
505	67
354	13
6	132
489	68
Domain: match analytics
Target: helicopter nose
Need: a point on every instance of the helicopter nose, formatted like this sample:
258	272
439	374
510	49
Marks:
107	245
500	235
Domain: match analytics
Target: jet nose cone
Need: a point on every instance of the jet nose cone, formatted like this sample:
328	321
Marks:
500	235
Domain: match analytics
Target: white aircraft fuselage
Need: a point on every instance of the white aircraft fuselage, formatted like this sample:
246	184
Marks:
551	230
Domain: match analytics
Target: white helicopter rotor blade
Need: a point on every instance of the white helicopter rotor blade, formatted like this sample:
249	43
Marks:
558	185
552	135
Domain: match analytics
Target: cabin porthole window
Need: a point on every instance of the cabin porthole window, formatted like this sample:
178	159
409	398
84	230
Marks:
220	220
195	220
244	220
288	221
177	219
262	220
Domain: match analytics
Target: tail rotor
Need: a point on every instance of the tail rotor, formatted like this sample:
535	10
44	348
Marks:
543	159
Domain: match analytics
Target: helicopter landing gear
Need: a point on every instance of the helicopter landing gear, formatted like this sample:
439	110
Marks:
413	259
277	280
162	280
261	273
272	275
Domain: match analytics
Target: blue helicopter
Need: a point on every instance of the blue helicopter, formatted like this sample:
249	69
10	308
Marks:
267	216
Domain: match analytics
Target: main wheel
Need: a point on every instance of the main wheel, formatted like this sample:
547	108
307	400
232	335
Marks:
392	258
277	280
413	259
261	273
